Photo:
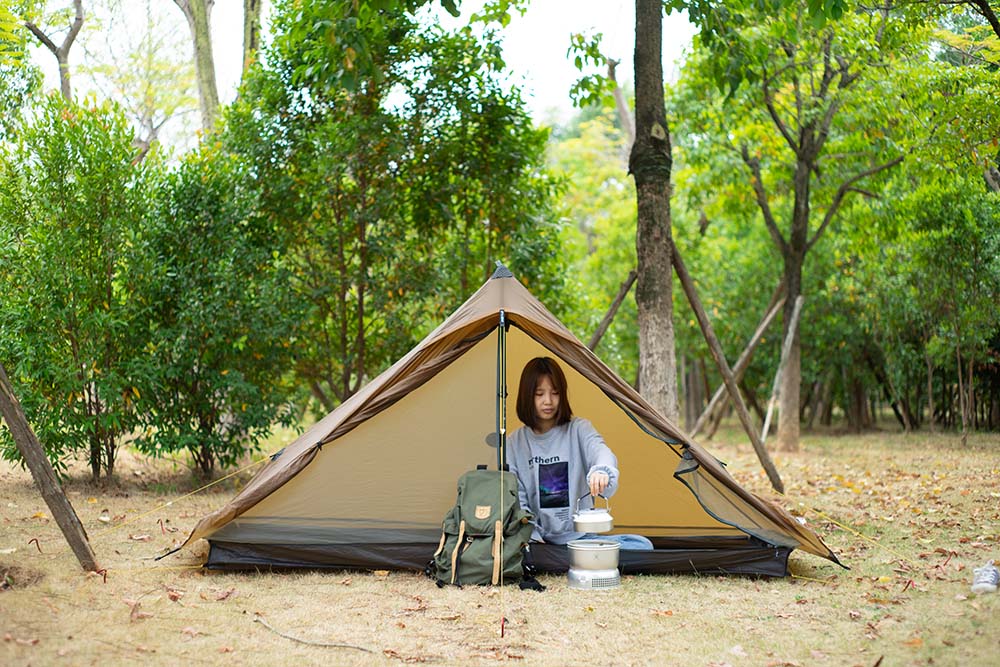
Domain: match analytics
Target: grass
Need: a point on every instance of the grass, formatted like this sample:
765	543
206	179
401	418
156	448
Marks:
911	516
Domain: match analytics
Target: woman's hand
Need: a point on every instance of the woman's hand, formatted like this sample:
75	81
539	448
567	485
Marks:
598	483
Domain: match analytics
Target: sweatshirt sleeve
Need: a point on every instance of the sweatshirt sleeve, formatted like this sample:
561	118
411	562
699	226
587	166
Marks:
598	457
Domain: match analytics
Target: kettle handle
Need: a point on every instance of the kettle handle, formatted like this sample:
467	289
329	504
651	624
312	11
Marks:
593	501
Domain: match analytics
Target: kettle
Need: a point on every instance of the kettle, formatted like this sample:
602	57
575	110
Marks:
593	520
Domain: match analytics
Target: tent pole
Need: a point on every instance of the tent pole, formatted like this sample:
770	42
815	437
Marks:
502	392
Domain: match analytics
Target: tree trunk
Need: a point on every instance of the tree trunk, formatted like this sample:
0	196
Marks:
650	162
251	33
752	400
791	332
931	423
826	403
787	439
963	408
970	403
199	18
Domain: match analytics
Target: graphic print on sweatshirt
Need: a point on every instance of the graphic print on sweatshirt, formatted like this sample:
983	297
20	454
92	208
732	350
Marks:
553	484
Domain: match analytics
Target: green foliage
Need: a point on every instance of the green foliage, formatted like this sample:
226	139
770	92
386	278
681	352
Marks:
70	202
940	268
215	315
341	44
396	189
19	77
598	204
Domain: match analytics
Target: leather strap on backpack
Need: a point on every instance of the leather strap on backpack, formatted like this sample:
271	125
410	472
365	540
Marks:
440	544
497	551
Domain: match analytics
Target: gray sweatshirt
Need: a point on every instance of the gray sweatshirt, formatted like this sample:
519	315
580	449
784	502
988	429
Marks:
552	471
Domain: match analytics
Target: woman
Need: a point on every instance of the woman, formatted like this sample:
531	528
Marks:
558	457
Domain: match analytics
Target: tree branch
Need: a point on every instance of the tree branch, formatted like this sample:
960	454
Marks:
624	117
42	37
842	191
773	112
74	29
762	201
983	7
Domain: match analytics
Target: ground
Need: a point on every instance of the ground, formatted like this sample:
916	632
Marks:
911	515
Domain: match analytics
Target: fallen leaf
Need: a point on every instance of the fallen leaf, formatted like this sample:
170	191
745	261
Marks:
174	595
140	538
39	515
27	642
345	582
135	614
225	595
226	649
915	642
381	573
404	658
191	632
662	612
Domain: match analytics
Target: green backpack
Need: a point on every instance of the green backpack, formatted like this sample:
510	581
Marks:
484	534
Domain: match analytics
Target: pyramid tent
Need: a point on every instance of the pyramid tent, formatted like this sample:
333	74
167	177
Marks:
368	485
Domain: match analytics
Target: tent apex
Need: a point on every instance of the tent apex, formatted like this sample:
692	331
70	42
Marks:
501	271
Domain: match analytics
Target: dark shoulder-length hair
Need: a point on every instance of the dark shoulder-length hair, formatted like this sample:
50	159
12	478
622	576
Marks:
533	371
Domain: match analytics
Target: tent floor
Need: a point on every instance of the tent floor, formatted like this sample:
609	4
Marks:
696	555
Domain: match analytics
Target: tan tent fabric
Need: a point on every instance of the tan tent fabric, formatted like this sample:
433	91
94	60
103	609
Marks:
382	466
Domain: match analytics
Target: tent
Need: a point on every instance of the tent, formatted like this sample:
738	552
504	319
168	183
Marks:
368	485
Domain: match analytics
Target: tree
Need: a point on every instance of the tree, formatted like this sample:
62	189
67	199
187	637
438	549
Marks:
199	17
398	176
141	70
214	313
807	139
650	163
70	201
61	51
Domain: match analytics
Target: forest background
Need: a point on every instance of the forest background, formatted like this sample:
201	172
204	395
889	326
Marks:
185	297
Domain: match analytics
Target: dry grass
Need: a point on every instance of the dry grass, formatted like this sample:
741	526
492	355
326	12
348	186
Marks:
932	504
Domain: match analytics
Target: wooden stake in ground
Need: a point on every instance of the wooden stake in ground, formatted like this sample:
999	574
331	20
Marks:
743	362
727	374
44	475
612	311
